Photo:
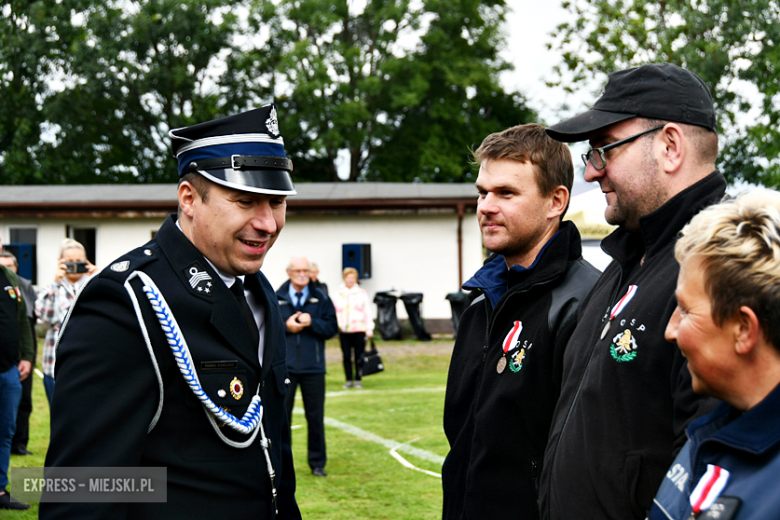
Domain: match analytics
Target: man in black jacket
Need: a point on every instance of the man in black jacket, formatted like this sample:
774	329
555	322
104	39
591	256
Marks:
505	371
170	355
627	397
310	319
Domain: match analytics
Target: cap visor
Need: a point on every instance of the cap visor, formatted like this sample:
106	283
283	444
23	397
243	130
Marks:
267	182
579	128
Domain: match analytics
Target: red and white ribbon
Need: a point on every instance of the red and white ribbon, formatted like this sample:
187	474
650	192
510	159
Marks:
709	488
511	338
618	308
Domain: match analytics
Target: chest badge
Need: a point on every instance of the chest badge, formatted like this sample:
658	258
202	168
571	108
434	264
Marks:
511	342
11	292
518	357
236	388
623	347
199	279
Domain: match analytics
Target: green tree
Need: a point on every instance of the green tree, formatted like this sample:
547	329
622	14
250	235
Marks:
731	44
403	91
116	78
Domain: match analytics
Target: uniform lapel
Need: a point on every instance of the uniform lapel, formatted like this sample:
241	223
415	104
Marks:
224	311
268	299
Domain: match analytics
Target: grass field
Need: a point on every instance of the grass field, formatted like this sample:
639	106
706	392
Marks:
398	410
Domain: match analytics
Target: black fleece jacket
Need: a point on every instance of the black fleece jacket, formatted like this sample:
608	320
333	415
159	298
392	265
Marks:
626	397
497	424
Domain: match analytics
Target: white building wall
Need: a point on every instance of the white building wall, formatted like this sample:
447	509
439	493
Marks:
409	253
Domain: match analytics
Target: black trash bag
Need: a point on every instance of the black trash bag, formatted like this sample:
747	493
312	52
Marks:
459	302
412	303
387	323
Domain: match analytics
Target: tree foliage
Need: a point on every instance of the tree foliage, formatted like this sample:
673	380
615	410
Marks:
90	88
731	44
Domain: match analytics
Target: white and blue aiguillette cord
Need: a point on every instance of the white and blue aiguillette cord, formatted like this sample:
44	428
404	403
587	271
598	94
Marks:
252	419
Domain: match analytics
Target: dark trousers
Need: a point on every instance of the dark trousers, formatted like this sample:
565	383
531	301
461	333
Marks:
352	342
22	435
313	393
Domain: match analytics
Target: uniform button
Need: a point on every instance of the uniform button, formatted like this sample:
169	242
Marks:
148	252
221	393
287	381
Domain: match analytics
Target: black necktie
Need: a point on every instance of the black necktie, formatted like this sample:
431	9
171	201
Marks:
298	302
238	291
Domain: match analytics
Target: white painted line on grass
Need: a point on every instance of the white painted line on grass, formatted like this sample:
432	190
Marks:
405	463
38	373
387	443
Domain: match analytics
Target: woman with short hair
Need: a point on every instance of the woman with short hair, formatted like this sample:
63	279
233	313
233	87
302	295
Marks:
727	325
353	310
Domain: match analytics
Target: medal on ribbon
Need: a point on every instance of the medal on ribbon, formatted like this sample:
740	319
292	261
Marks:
618	308
510	343
709	488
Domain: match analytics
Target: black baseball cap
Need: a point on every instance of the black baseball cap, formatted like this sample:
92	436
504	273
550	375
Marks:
654	91
244	151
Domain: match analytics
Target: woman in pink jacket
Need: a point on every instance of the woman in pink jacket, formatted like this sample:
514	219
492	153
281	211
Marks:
353	310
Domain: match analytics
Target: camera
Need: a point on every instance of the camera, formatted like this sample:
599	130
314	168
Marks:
75	267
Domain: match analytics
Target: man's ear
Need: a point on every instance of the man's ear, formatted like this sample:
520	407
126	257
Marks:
674	143
748	330
559	201
187	196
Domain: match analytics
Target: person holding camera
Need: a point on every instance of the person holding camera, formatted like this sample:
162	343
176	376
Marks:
73	271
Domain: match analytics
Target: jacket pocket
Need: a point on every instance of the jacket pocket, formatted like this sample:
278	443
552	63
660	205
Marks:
281	377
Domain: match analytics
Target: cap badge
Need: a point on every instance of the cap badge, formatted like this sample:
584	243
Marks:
199	279
120	267
272	124
236	388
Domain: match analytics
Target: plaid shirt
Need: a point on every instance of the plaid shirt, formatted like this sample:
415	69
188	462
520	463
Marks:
51	307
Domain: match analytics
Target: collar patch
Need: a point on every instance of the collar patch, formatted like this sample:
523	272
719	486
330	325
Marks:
200	281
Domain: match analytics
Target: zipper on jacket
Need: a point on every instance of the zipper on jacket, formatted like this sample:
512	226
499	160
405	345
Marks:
535	477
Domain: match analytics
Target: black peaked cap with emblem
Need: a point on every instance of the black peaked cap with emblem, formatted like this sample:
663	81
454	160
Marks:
654	91
244	152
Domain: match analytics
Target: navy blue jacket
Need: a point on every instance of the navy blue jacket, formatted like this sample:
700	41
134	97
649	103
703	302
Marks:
306	350
107	393
747	445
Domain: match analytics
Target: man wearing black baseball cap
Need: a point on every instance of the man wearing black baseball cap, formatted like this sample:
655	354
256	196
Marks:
174	356
626	396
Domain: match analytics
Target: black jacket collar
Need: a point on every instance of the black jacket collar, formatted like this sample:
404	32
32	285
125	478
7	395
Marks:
660	228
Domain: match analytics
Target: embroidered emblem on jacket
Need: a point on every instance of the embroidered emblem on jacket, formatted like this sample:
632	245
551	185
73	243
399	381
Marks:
120	267
199	279
623	347
11	291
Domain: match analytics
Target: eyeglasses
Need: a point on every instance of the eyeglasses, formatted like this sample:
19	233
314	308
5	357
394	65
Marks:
598	160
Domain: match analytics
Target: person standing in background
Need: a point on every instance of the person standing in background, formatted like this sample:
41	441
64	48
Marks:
353	310
310	320
73	271
315	279
22	435
16	358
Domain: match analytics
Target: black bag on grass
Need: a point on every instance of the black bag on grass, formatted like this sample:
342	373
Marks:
372	362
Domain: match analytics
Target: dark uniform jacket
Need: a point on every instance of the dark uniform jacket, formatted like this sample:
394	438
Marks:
16	342
497	424
306	349
107	392
626	397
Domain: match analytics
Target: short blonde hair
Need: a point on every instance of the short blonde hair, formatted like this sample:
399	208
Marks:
69	243
349	270
738	241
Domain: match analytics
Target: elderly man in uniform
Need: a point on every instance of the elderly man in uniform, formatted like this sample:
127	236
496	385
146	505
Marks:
125	393
505	374
626	396
310	319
